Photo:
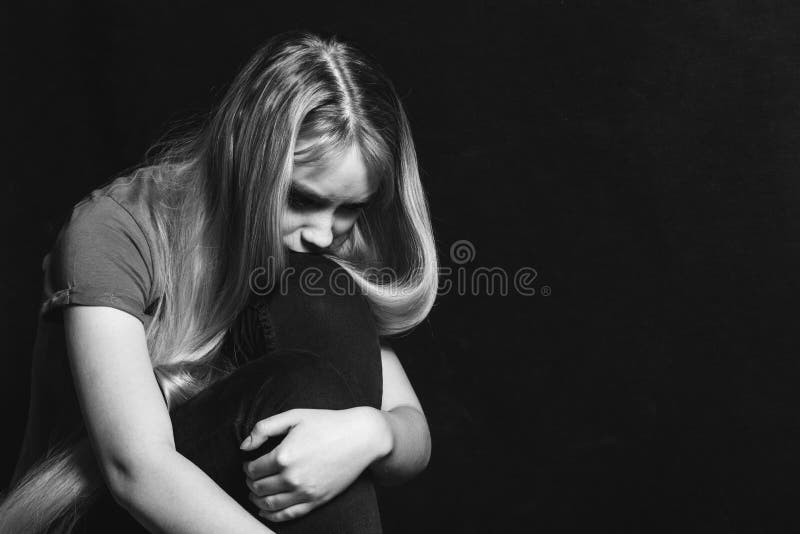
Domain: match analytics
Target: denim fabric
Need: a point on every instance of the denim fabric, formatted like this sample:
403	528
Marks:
305	345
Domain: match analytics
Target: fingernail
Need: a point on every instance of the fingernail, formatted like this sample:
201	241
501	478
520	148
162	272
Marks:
246	443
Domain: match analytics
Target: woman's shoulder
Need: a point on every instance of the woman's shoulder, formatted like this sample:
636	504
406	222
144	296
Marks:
103	253
130	194
111	216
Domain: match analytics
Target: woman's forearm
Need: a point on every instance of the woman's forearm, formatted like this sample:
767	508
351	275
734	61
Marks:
171	494
410	448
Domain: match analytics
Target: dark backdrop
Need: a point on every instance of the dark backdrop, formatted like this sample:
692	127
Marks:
642	158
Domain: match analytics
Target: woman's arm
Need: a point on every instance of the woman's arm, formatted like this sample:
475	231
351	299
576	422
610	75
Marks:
405	425
319	456
131	432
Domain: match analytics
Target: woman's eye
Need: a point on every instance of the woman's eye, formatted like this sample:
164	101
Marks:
299	201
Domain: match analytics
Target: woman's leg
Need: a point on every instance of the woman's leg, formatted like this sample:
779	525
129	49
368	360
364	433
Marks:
318	308
323	353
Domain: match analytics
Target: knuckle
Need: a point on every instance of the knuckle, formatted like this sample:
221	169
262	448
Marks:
304	490
293	481
282	458
248	469
257	488
313	493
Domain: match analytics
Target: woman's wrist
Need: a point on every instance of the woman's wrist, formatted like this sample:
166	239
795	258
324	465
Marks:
379	435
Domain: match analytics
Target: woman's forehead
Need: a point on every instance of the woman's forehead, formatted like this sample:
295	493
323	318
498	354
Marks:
340	178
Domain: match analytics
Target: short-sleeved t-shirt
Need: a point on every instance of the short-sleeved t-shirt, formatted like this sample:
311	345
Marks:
102	256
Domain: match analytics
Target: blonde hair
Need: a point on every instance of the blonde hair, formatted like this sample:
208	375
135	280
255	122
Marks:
220	196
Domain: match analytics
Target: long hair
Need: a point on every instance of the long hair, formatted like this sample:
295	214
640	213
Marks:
219	196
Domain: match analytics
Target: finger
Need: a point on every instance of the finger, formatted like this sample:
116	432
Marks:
264	466
269	486
271	426
278	502
292	512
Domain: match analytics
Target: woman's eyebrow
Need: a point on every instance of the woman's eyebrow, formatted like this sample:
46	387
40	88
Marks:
312	195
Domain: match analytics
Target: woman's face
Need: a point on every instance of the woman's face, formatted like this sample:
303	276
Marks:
325	202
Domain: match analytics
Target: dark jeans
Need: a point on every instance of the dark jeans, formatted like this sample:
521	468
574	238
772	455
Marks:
294	348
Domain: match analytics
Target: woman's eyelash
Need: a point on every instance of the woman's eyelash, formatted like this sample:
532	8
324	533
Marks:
298	200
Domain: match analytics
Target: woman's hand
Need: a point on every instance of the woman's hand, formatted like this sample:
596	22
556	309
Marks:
323	452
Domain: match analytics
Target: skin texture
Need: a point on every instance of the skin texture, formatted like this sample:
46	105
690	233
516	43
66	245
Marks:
326	207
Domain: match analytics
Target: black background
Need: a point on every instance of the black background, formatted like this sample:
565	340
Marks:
642	157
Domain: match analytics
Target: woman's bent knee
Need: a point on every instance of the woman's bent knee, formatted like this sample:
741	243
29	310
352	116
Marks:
337	326
320	297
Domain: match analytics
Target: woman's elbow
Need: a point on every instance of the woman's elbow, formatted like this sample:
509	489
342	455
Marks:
127	475
427	445
426	457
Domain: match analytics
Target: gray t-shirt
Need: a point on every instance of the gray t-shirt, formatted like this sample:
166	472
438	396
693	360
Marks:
101	257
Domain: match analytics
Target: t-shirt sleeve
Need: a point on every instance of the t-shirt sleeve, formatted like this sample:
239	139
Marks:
101	257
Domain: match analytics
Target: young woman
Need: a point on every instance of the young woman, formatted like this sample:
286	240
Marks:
178	374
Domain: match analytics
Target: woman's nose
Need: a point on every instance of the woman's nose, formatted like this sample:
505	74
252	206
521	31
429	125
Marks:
318	233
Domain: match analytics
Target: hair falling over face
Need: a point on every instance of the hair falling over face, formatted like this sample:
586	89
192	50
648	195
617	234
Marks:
221	193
